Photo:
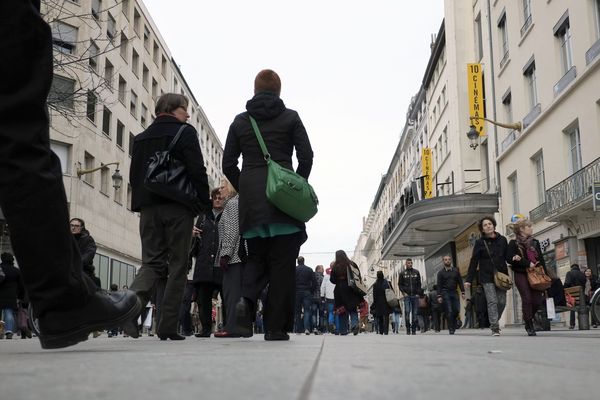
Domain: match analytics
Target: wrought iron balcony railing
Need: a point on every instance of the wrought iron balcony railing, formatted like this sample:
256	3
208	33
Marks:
538	213
574	189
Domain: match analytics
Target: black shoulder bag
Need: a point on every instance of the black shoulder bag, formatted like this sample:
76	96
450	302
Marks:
167	176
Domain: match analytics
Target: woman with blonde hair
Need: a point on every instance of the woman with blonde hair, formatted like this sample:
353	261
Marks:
524	252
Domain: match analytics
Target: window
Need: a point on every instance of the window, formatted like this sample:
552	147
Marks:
131	139
563	34
574	148
507	103
163	66
147	39
136	21
445	140
120	131
63	151
135	62
124	45
96	6
122	89
175	84
531	85
61	92
526	16
106	117
145	76
154	89
540	179
143	116
155	53
122	274
478	38
64	37
91	106
503	34
102	269
104	177
111	27
109	72
88	163
133	104
514	190
597	12
93	55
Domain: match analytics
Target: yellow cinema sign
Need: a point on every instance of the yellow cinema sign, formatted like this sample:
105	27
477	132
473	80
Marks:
427	173
475	89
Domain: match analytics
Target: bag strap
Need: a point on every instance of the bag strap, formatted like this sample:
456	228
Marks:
176	138
261	142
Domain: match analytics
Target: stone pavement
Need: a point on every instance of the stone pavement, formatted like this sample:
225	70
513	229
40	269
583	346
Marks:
471	364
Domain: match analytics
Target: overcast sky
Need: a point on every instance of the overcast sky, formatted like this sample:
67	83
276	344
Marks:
348	67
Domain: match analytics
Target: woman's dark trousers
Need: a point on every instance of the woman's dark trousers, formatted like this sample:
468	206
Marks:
232	291
383	324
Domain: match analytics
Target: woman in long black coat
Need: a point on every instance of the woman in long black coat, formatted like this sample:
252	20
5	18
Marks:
346	300
273	238
380	308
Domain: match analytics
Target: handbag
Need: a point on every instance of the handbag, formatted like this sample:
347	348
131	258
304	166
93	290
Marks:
354	281
287	190
167	176
390	297
537	278
501	280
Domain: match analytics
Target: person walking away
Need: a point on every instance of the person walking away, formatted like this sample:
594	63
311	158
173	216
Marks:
208	274
397	317
423	312
165	224
380	308
327	294
523	253
11	290
574	278
448	279
409	283
317	308
232	264
305	286
273	237
489	256
591	285
346	299
435	305
469	323
87	248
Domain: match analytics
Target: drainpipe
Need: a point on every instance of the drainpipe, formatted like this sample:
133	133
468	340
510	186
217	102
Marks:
493	87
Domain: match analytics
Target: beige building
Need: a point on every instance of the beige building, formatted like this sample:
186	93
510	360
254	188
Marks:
111	64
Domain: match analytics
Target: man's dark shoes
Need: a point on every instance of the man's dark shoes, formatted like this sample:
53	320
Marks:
203	334
104	310
244	317
171	336
273	336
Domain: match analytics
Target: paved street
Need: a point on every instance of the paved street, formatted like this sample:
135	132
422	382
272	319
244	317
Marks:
556	365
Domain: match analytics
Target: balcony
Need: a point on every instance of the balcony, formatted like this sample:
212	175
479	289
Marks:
592	52
565	80
512	136
533	114
538	213
574	190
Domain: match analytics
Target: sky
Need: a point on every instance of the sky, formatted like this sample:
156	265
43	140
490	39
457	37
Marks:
348	67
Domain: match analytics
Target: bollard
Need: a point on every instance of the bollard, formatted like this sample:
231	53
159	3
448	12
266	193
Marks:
583	320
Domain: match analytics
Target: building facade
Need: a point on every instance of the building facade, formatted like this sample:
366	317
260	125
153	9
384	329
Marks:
111	65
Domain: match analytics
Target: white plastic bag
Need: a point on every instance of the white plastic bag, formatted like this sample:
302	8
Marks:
550	310
148	320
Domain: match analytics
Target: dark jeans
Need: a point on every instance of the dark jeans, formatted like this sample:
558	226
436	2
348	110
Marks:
383	324
411	307
273	261
232	291
185	315
32	195
452	307
165	232
435	318
531	300
204	296
303	311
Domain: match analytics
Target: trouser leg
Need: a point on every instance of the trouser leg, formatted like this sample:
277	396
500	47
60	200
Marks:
32	194
232	289
185	317
492	304
307	308
204	292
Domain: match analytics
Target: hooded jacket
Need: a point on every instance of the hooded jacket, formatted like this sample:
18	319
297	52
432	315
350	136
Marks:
283	132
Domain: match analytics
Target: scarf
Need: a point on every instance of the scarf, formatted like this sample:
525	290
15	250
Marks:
526	242
588	287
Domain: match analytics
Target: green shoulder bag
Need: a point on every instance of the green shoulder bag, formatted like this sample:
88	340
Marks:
287	190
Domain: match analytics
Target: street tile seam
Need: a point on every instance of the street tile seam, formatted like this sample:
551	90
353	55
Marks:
308	383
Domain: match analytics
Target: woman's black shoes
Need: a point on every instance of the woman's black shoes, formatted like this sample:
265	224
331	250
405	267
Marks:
272	336
530	328
171	336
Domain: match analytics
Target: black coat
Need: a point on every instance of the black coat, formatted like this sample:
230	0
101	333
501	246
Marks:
409	282
87	249
575	278
306	281
380	307
482	265
522	265
206	249
11	288
282	131
157	137
447	281
343	294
